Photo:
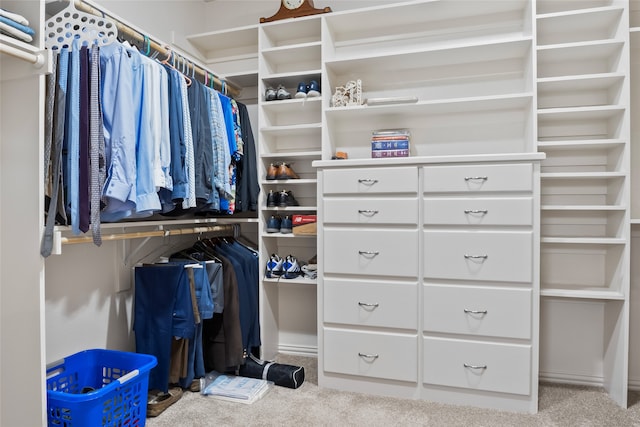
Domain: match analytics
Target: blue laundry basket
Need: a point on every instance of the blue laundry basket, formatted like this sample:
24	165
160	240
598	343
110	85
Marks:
99	388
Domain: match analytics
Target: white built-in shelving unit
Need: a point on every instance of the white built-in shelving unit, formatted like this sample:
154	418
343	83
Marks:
420	294
290	132
583	127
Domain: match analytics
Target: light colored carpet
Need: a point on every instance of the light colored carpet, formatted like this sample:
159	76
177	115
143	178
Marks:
309	405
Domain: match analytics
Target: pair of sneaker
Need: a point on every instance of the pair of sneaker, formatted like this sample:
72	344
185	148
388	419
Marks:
287	268
275	224
310	90
280	93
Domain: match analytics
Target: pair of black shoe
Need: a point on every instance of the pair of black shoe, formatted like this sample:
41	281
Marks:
281	199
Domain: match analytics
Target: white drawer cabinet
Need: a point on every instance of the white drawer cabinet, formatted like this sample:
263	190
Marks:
478	365
429	270
371	354
475	310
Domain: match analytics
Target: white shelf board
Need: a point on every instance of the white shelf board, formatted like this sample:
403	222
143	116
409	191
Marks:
577	292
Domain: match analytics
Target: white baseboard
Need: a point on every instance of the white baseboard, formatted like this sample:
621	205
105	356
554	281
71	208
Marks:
298	350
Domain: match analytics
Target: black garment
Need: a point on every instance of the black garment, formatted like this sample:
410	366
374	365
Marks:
247	172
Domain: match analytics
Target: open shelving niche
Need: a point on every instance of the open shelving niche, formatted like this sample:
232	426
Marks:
289	131
583	127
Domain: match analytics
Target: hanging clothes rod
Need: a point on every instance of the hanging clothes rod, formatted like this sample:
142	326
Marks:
36	59
144	40
218	230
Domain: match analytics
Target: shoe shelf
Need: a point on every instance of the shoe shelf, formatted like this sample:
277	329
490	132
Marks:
296	281
291	59
285	155
291	133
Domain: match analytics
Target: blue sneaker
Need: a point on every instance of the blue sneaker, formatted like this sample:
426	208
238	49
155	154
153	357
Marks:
302	90
291	268
286	225
314	89
274	266
273	224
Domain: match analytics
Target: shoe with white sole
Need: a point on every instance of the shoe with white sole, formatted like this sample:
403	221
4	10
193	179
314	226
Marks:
291	268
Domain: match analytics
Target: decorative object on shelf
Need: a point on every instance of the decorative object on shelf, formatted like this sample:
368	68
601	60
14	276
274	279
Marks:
295	9
390	143
349	94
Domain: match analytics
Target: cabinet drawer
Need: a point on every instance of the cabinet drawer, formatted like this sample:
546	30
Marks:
479	211
479	255
371	211
478	365
478	311
387	304
478	178
371	180
371	354
374	252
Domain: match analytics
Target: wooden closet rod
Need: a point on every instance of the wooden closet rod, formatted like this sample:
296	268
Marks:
138	38
219	230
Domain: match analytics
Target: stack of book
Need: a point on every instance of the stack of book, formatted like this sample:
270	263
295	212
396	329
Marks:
390	143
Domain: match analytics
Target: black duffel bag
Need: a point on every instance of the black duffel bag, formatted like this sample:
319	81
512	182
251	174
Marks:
289	376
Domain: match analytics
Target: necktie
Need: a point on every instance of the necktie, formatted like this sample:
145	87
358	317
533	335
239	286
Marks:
96	145
56	164
83	159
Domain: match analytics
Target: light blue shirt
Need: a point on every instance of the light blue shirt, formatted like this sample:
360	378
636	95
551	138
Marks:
146	89
119	116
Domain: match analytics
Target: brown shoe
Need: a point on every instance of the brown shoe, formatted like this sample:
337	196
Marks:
285	172
157	402
272	172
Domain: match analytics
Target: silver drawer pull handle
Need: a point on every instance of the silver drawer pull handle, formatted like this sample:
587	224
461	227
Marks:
476	256
367	212
476	211
372	253
365	304
476	178
367	181
466	310
466	365
368	356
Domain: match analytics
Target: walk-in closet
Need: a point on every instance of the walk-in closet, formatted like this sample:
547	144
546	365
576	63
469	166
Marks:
497	249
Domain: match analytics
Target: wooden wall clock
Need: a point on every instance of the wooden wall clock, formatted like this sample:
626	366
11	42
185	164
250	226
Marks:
295	9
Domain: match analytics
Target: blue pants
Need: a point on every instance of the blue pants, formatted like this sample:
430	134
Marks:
162	310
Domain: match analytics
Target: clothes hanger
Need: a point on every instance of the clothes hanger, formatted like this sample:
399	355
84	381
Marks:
72	24
172	57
